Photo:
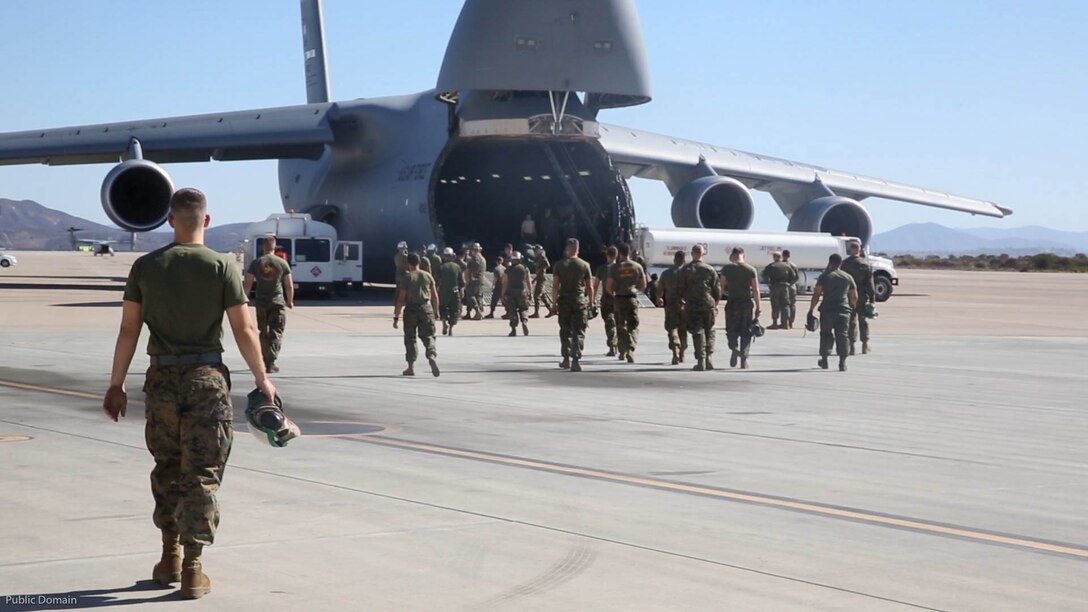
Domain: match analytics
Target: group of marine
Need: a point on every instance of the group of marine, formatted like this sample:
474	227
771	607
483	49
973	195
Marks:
430	285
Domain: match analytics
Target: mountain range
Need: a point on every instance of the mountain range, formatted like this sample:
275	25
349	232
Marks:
27	225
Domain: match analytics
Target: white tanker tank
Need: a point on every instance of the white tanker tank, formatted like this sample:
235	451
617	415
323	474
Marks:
808	251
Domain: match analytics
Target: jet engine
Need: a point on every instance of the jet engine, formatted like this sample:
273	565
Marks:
136	195
833	215
713	202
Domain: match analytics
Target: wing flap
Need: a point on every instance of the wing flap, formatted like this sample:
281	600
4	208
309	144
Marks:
271	133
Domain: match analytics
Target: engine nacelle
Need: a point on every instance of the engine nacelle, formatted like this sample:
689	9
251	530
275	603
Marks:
714	202
136	195
834	215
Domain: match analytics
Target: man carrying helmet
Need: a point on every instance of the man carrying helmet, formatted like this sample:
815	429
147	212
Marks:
517	285
856	266
475	268
840	295
418	299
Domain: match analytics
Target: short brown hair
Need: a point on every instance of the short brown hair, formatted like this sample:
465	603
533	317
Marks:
572	242
269	242
188	206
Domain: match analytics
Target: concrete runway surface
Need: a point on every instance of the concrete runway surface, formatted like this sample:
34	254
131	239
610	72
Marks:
946	471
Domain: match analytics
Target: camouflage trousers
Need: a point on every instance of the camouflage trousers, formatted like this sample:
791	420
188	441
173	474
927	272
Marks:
738	324
188	432
572	327
859	322
626	310
781	310
516	306
474	294
677	329
834	330
449	310
700	324
608	315
496	296
271	321
793	302
541	297
419	323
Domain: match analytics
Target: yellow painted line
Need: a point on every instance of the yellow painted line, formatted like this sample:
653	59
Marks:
665	485
53	390
809	507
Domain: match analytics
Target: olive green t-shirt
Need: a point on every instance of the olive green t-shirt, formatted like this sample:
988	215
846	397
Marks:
476	266
862	274
836	286
268	272
449	279
780	272
542	264
184	289
517	275
626	277
420	287
572	273
603	272
425	264
400	260
697	284
738	281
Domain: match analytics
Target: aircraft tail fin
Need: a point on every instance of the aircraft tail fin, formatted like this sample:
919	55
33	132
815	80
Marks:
313	47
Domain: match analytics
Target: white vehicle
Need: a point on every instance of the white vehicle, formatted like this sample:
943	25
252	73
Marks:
7	261
808	251
319	262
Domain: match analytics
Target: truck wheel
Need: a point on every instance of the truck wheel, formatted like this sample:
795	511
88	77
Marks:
4	263
883	286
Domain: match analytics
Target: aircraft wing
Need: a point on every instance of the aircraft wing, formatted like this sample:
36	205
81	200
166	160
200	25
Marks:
270	133
677	161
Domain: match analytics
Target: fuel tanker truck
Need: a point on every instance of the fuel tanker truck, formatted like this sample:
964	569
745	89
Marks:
808	251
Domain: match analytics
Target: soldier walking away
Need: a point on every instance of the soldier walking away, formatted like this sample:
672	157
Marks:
540	280
793	286
275	292
668	296
608	315
517	284
840	295
625	282
697	286
451	290
858	269
475	268
779	276
400	260
496	285
742	305
418	299
424	261
573	290
181	292
434	257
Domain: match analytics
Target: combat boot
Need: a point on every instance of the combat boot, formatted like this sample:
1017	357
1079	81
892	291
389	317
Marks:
450	331
743	362
490	315
409	371
842	364
865	350
699	366
630	356
194	582
445	328
551	313
773	325
535	315
852	348
681	355
733	359
478	316
675	356
822	363
434	366
575	366
565	364
611	352
524	329
707	363
168	569
513	332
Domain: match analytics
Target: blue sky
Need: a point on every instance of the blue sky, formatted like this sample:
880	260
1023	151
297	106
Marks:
979	98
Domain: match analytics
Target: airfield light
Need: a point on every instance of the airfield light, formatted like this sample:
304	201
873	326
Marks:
583	173
528	178
546	177
494	176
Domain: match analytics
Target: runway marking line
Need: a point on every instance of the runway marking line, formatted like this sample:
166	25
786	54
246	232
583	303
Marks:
666	485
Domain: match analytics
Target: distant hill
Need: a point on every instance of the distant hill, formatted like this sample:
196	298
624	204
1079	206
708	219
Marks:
934	239
26	225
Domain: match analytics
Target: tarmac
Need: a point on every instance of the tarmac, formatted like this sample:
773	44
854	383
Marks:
947	470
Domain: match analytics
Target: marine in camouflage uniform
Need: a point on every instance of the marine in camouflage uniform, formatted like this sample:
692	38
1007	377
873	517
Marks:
858	268
275	293
742	306
572	286
181	292
517	282
540	282
496	285
697	285
433	257
425	262
626	281
418	298
793	286
400	262
780	276
608	314
670	298
451	288
840	295
475	268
